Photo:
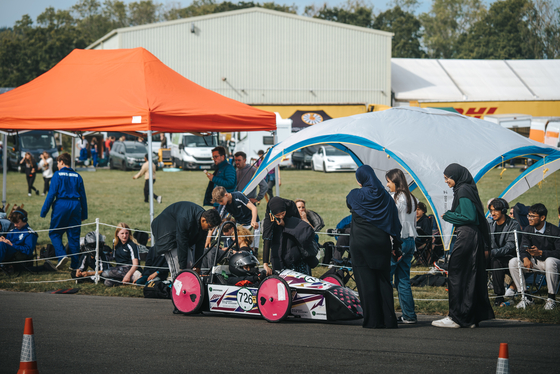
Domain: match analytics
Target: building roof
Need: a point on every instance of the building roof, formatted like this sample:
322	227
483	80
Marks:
475	80
235	13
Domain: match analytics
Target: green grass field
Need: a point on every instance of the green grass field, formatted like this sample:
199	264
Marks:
113	197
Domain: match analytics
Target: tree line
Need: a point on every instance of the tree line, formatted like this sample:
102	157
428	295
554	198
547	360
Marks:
459	29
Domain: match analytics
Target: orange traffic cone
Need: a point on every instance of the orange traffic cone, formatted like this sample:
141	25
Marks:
503	360
28	360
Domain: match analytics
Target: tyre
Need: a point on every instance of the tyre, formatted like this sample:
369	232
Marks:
312	165
111	165
123	166
324	167
187	292
332	278
274	299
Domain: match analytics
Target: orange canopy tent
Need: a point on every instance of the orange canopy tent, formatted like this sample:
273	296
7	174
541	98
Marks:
123	90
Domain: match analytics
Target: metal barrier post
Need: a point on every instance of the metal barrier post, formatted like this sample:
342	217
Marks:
96	250
521	277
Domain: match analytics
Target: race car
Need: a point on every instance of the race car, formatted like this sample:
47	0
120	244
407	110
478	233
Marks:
288	293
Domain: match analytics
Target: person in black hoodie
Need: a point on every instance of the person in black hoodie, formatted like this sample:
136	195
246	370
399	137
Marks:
180	233
153	268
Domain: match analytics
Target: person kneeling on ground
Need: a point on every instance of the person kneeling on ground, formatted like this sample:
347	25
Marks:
126	256
155	269
87	259
20	242
540	250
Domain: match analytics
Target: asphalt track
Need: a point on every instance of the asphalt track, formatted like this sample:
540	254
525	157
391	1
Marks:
94	334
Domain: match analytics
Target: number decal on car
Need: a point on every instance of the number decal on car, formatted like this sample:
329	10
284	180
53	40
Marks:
245	299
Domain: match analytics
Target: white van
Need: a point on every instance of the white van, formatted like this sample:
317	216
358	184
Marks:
192	152
251	142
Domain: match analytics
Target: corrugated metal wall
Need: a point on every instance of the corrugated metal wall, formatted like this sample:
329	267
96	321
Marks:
269	58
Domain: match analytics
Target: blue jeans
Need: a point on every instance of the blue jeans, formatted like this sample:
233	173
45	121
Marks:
401	271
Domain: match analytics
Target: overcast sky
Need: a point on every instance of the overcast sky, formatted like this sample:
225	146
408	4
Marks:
13	10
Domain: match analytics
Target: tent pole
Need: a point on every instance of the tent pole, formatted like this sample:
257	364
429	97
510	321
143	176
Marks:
4	168
151	172
73	163
277	169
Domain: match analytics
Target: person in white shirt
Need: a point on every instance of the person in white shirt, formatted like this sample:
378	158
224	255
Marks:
146	172
46	167
400	269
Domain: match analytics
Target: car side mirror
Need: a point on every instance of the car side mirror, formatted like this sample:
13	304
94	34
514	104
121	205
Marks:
59	147
181	147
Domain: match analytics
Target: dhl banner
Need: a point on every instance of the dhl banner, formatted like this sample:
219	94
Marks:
479	109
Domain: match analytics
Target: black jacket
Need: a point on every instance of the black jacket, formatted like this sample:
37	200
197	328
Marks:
549	246
296	234
178	226
157	261
503	245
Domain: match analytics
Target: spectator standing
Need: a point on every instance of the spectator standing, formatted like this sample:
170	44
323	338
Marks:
540	249
94	151
163	140
146	172
224	175
400	269
244	174
46	166
108	144
502	240
374	237
30	167
468	291
67	196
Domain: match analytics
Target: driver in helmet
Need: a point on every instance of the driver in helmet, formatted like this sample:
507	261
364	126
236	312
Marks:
244	270
87	259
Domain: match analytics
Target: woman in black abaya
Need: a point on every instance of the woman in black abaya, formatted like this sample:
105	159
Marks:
375	220
468	292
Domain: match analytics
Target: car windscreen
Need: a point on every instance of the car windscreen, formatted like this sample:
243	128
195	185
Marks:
135	148
332	151
36	141
197	141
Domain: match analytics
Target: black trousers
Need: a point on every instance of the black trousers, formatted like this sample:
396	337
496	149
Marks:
376	297
498	276
30	182
468	291
46	184
147	191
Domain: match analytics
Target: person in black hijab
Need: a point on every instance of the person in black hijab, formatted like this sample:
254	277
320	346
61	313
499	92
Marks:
374	237
468	292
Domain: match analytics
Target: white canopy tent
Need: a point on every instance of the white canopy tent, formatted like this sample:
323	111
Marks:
422	142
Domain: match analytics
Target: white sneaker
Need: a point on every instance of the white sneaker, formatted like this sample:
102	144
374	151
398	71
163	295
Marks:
550	304
159	199
43	194
524	303
446	322
28	194
62	262
49	265
510	292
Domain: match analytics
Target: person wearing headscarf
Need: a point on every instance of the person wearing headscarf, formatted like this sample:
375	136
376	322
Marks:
283	233
468	292
374	238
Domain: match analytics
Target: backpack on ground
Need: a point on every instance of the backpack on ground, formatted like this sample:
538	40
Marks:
157	290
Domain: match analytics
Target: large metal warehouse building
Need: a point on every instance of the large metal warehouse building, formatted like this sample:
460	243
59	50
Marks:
272	60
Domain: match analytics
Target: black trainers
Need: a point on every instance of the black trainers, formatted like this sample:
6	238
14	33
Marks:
407	321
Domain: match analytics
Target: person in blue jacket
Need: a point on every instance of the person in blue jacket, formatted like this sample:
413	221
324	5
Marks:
67	197
20	242
224	175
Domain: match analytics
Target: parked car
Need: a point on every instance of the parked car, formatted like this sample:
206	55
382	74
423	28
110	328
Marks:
127	155
34	142
303	157
329	158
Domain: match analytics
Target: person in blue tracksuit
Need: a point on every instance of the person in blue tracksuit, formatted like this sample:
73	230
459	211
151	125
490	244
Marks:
67	197
20	242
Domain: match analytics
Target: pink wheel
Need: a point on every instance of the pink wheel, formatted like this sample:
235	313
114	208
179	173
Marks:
187	292
334	279
274	299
